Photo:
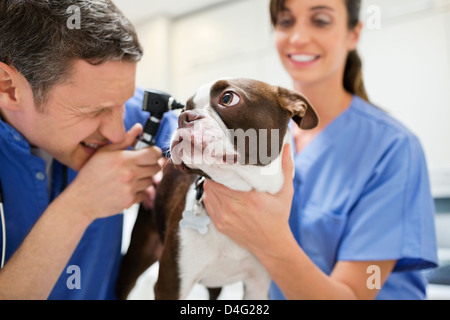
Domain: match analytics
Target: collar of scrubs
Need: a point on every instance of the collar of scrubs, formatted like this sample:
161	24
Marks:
322	142
13	136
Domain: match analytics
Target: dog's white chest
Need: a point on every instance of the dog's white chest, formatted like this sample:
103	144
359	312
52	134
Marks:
210	258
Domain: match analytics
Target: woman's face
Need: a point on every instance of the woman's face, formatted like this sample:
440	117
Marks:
313	39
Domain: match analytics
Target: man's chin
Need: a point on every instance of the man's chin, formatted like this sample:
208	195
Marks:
74	163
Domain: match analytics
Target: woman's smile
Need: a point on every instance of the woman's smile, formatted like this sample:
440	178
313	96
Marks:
303	59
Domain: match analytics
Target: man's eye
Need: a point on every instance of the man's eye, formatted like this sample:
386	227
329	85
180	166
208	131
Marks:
229	99
99	112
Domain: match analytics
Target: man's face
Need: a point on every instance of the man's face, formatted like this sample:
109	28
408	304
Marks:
81	115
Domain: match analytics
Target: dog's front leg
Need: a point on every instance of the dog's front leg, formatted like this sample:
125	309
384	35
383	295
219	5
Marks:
168	285
144	250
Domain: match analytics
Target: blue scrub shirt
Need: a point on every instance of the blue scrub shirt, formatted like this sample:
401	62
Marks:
362	193
24	182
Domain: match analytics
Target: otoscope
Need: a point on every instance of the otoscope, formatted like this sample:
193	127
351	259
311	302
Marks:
157	103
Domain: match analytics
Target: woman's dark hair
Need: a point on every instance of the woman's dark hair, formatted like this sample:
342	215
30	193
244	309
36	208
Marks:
37	39
353	80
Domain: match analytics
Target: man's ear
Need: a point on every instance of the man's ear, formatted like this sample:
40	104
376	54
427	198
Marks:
9	77
299	107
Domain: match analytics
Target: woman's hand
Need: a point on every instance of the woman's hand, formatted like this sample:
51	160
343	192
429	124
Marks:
252	219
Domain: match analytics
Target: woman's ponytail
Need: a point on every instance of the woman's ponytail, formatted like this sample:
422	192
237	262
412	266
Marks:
353	79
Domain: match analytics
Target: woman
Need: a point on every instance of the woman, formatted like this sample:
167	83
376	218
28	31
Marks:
357	222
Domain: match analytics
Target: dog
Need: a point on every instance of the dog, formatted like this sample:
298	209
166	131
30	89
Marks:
231	131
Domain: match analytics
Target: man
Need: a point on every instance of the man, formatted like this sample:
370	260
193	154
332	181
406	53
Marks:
63	103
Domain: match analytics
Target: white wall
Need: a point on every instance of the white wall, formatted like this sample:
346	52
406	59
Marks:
406	61
233	40
406	65
154	68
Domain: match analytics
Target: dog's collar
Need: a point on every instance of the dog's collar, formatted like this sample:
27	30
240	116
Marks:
199	188
196	218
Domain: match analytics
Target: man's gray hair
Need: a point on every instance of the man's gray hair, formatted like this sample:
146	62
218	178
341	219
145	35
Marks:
36	39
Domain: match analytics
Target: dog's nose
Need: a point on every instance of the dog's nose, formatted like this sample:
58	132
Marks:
187	118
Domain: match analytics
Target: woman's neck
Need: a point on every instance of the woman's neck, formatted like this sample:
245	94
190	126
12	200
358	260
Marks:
328	100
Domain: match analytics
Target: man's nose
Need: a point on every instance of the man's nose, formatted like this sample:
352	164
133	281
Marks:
112	127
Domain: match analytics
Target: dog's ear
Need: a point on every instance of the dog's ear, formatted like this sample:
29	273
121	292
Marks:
301	110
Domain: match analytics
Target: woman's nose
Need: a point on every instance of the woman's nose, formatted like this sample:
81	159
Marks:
300	35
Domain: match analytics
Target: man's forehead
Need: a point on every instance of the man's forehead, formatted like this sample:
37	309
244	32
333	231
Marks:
100	86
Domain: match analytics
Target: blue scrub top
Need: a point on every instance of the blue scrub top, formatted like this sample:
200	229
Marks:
362	193
24	183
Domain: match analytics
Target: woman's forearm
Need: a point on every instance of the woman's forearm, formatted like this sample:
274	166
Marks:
296	275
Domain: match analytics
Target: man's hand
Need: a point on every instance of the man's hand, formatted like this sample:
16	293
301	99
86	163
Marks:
114	178
150	193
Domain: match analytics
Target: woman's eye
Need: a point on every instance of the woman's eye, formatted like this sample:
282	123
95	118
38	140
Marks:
285	20
286	23
321	20
229	99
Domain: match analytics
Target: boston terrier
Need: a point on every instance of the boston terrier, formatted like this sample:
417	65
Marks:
232	131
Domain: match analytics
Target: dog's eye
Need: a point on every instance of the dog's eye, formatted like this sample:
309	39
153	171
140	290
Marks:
229	99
